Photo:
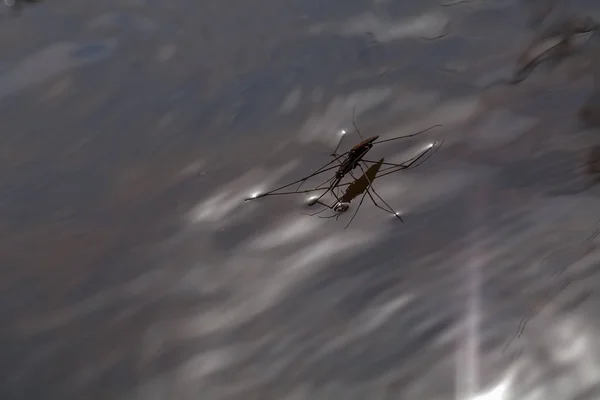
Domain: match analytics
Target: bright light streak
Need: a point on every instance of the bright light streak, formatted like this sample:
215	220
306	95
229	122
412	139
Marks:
497	393
312	200
342	132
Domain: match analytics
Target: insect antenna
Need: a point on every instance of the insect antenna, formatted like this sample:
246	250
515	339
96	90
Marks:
344	132
354	123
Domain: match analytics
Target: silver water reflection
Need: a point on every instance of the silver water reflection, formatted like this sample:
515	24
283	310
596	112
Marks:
132	267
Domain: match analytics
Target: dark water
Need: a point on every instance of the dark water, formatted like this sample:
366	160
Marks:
132	268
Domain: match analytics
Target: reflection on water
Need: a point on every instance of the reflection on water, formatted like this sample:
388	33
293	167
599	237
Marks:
17	5
132	267
52	61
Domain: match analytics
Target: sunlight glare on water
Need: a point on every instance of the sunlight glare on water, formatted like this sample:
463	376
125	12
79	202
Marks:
500	392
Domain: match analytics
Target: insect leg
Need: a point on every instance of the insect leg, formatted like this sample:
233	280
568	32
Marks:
391	170
411	163
330	189
371	188
315	213
330	180
321	170
319	212
357	208
338	146
272	192
337	193
282	194
408	136
384	163
336	216
335	184
430	151
395	214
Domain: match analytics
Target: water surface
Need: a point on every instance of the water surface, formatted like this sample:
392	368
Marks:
132	268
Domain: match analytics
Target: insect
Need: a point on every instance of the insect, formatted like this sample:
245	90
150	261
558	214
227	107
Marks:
364	185
347	161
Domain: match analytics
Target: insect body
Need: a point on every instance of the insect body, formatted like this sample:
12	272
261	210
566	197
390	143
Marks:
355	155
353	158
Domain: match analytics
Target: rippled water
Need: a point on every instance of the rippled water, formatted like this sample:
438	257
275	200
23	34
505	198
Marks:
133	269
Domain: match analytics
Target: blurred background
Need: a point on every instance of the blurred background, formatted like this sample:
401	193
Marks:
131	267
